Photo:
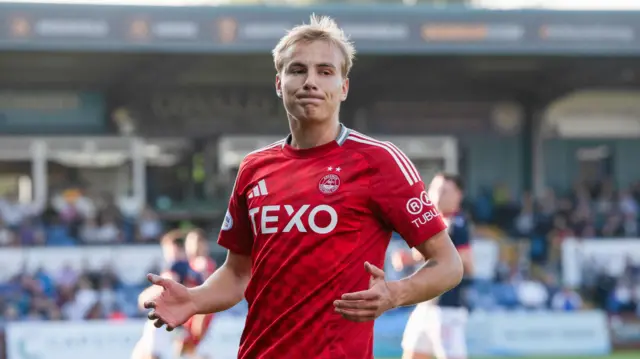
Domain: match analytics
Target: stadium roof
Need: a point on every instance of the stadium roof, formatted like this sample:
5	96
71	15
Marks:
121	2
558	4
490	4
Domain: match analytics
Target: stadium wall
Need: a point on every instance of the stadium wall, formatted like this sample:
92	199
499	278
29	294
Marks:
489	335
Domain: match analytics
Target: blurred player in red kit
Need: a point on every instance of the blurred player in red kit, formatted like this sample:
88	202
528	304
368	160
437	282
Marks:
197	249
309	221
196	328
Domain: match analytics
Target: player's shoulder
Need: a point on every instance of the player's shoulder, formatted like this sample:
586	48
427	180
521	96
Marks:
383	156
376	151
255	157
253	161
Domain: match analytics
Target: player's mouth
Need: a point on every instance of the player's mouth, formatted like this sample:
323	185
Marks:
310	99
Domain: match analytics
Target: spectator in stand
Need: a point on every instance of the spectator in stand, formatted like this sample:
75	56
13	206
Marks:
627	203
90	231
58	233
84	299
525	221
72	205
505	208
557	235
566	300
12	211
7	236
11	314
109	230
67	277
30	232
532	294
622	299
149	227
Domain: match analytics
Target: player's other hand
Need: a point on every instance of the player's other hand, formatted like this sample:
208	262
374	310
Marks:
368	304
173	306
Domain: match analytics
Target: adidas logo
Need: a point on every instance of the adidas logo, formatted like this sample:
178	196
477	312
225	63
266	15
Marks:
259	190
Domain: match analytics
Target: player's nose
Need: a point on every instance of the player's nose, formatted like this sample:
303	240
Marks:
310	87
310	83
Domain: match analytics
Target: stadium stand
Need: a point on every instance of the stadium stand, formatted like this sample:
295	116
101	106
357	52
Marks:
538	227
73	218
527	274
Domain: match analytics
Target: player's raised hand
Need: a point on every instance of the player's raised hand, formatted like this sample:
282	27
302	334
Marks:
367	304
173	306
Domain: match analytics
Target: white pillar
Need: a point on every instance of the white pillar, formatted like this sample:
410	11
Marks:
39	172
451	158
539	179
139	170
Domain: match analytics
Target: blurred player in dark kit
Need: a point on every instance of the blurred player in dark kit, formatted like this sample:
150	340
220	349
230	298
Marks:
436	328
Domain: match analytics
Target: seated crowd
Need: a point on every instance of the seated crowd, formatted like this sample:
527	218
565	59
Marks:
68	294
72	218
530	282
539	226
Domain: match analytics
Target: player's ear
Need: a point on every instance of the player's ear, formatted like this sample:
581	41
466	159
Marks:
278	86
345	88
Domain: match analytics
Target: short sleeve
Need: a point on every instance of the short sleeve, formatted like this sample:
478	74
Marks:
399	194
236	234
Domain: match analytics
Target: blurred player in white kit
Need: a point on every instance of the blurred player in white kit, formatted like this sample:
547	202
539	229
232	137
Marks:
158	343
436	329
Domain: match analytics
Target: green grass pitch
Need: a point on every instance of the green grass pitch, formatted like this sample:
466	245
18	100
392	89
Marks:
619	355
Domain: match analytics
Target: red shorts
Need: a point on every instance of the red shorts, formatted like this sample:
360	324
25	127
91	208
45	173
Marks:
194	333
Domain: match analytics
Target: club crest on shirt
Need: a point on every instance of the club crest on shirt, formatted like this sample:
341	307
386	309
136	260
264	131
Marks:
329	183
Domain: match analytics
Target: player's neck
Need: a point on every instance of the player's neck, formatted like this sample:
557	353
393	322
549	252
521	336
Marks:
305	135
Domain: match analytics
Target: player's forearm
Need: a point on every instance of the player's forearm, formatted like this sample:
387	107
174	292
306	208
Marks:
435	277
221	291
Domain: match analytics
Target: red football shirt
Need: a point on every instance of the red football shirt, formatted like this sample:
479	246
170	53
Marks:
309	219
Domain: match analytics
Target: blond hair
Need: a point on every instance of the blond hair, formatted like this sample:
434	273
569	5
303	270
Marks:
321	28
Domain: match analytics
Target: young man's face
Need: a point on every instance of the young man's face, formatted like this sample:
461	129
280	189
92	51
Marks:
311	82
195	245
445	195
172	252
191	245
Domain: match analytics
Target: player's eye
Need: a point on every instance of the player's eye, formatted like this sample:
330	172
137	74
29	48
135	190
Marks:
297	71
